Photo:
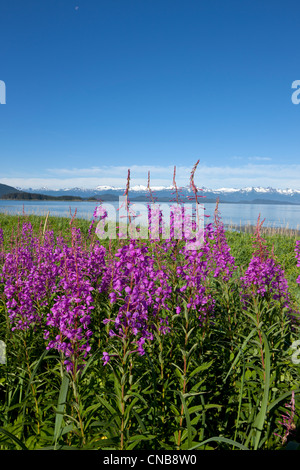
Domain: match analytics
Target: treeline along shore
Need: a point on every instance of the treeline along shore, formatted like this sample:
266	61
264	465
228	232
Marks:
23	196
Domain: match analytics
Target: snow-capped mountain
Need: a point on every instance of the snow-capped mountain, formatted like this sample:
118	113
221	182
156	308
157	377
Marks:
139	192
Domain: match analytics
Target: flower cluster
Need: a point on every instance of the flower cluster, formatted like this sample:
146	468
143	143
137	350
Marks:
222	263
29	276
69	317
288	421
297	251
1	245
52	284
264	276
140	290
48	284
194	291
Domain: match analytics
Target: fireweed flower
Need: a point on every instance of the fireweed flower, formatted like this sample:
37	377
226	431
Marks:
288	421
1	245
221	263
101	214
297	251
49	284
155	222
105	358
141	291
264	276
194	291
69	318
29	273
213	257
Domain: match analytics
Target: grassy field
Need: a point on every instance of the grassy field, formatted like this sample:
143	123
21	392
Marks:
143	345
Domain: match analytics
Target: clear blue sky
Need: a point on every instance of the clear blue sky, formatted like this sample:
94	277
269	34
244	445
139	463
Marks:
95	87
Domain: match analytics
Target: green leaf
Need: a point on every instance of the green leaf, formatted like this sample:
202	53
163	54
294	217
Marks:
112	410
240	351
281	398
196	408
201	368
66	429
260	419
187	419
136	439
13	438
221	439
141	424
61	407
89	362
31	380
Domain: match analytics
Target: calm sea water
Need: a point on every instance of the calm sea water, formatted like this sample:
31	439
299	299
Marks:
241	214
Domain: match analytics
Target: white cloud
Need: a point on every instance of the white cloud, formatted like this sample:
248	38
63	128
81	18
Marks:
251	174
260	159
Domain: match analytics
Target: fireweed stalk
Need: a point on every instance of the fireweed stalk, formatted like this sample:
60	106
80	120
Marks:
144	289
141	291
1	246
221	262
29	274
70	315
264	276
288	421
297	254
155	219
213	258
264	279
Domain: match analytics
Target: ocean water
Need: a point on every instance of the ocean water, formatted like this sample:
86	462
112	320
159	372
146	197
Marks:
275	215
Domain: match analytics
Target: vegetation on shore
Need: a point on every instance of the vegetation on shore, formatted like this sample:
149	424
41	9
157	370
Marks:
23	196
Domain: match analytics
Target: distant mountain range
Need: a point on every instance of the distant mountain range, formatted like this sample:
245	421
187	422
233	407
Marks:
10	193
253	195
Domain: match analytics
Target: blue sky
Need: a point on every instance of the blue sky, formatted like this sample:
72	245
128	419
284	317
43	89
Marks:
94	87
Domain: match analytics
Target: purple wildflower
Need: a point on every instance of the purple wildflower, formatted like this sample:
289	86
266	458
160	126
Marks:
105	358
264	276
288	421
